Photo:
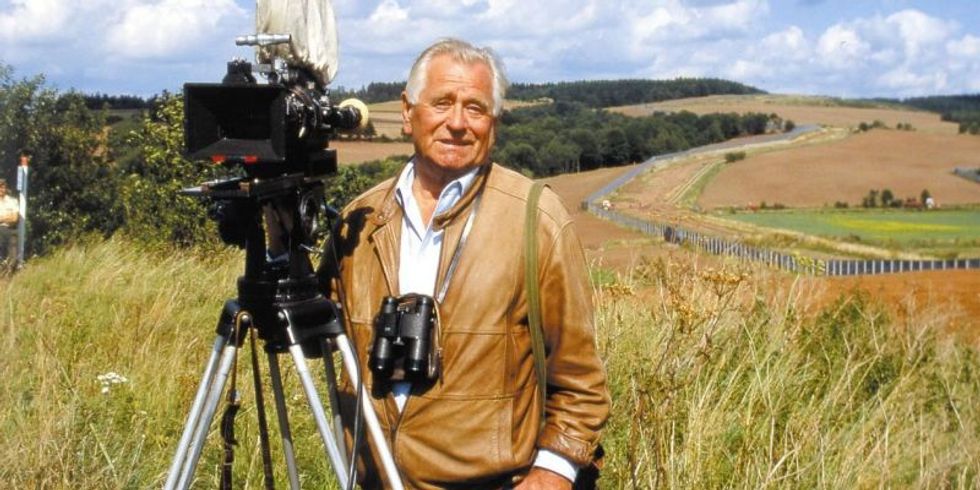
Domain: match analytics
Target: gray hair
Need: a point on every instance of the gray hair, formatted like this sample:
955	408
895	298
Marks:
463	52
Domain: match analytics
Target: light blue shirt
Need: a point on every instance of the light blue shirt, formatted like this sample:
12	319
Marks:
421	247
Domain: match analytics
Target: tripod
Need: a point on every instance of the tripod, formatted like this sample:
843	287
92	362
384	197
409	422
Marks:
281	301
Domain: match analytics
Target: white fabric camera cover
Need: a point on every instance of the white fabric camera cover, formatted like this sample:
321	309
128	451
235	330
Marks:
314	34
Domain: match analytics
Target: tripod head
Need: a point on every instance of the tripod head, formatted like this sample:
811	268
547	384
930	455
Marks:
276	221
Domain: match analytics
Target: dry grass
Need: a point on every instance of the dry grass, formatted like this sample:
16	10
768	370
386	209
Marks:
718	380
722	382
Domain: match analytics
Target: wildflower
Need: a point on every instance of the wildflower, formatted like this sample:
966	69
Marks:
108	379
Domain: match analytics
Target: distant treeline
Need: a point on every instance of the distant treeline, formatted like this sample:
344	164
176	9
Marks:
596	93
569	136
962	109
609	93
373	93
99	101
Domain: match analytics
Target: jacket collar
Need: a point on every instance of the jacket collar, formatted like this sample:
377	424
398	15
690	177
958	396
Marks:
390	209
386	237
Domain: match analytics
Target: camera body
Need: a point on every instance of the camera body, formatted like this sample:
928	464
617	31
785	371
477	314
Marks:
274	129
406	342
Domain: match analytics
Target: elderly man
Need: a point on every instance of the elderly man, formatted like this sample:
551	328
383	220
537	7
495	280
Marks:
451	226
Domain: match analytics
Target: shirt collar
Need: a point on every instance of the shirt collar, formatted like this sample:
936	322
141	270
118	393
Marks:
450	195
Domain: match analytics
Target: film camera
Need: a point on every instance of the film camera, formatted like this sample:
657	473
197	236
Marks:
274	129
406	339
277	134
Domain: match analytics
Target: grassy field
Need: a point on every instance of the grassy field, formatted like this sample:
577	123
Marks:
718	381
912	228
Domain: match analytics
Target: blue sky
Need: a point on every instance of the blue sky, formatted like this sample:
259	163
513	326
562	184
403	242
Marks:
892	48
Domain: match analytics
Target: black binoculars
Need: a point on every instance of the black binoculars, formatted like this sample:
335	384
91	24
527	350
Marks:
404	339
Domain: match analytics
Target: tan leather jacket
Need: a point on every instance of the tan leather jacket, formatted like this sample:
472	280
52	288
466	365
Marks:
478	425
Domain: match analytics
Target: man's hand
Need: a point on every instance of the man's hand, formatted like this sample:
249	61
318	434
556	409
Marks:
540	478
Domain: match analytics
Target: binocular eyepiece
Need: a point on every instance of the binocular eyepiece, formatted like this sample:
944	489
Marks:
403	339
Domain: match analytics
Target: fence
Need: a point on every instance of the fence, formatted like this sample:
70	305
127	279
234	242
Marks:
720	246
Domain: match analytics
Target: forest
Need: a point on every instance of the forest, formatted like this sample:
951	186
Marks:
962	109
562	137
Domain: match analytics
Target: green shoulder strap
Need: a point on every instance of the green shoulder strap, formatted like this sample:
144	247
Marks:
533	293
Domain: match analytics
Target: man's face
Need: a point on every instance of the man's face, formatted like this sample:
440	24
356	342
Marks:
452	124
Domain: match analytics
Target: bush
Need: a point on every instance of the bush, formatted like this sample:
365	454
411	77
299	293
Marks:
155	210
734	156
74	188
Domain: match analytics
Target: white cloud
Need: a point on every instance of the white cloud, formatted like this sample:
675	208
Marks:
389	12
32	21
967	47
158	43
918	31
788	44
841	47
170	28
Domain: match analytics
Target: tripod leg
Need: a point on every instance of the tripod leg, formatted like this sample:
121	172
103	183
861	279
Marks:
287	436
316	406
370	417
192	418
331	375
204	422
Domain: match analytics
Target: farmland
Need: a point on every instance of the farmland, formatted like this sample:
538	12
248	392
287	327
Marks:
354	152
801	109
915	228
700	192
845	170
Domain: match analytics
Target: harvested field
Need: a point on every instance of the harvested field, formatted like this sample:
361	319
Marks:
818	175
354	152
387	118
802	110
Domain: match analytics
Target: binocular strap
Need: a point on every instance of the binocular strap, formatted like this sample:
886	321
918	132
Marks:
459	249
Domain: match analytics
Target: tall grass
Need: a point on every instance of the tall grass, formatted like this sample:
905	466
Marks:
716	381
719	382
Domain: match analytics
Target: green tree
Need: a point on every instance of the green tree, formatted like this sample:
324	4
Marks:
521	156
155	210
559	156
74	189
886	198
590	152
616	149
